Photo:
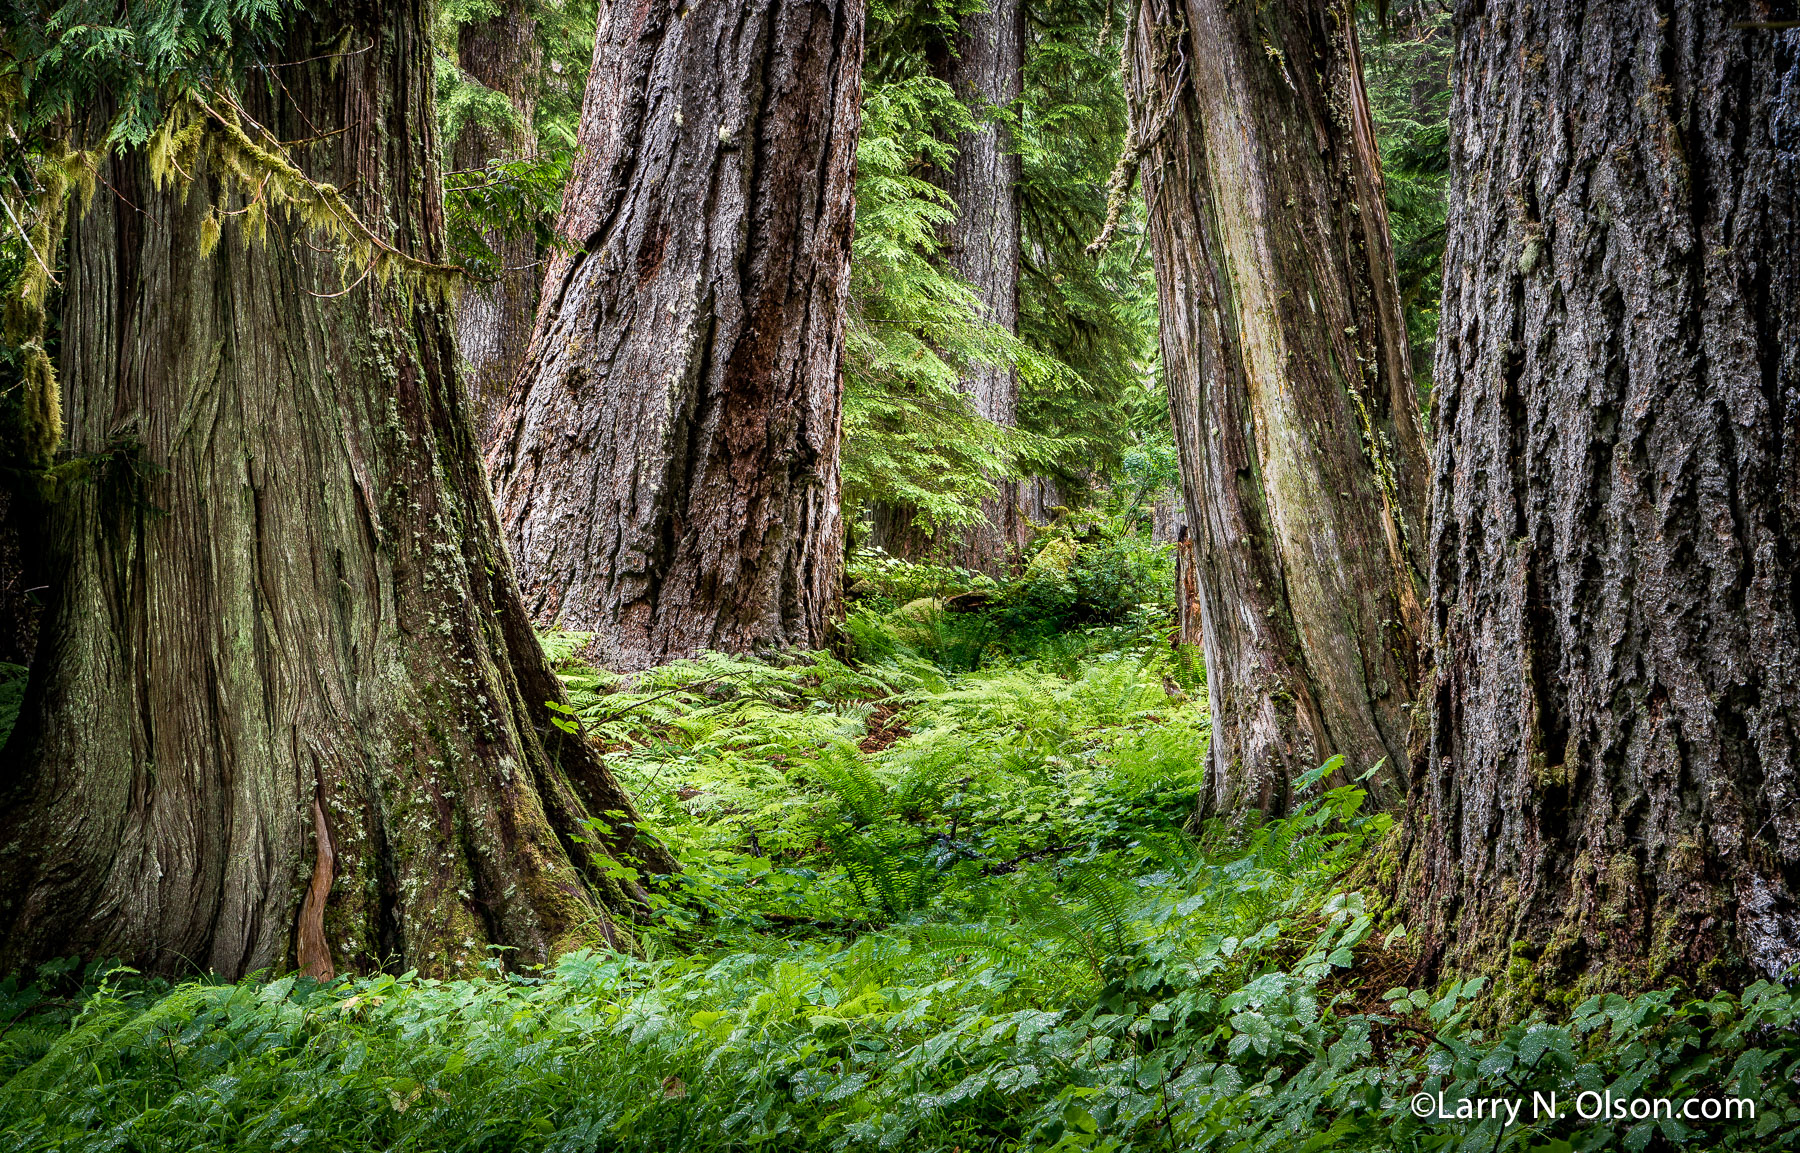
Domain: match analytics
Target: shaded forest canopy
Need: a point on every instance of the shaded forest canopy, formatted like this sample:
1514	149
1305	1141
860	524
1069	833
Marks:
951	574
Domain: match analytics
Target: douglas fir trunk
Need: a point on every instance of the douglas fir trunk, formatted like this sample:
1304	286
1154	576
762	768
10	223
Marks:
985	69
493	319
667	466
1615	595
1295	416
287	707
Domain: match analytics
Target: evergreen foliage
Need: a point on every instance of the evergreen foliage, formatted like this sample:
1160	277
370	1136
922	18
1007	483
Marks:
1085	351
82	78
1406	65
1098	317
911	436
512	197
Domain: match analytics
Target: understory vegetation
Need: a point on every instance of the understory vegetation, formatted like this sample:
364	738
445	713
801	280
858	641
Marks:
946	885
943	891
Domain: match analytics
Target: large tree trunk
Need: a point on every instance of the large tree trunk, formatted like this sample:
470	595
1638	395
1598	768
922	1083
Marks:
21	564
1615	591
985	68
1294	411
287	706
667	468
493	319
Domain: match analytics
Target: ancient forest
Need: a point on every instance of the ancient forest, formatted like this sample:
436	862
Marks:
970	576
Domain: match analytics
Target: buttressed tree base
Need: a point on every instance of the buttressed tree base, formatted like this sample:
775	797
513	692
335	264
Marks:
288	709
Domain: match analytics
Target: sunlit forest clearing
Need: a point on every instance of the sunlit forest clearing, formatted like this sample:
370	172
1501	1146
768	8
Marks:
947	575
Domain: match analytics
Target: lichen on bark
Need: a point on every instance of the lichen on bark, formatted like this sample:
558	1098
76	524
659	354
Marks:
1295	414
277	584
1611	769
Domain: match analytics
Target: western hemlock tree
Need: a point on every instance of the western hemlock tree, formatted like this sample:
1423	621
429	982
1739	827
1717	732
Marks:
983	65
1294	409
667	465
1615	597
287	706
493	320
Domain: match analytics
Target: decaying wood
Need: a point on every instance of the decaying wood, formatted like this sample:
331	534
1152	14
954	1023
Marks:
312	951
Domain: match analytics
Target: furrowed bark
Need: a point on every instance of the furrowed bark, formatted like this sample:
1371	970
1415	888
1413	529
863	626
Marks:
277	583
668	465
1615	597
985	68
1294	410
493	320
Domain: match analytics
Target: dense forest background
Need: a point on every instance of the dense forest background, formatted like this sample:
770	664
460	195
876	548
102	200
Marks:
946	574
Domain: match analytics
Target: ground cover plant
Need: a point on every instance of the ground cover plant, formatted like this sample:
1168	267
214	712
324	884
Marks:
934	904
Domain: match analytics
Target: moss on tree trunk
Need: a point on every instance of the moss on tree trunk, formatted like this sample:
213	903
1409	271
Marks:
284	652
1295	416
1610	795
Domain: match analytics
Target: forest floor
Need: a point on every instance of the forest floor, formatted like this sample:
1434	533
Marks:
943	892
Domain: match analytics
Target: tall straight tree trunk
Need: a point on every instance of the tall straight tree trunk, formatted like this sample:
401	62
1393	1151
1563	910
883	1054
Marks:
287	707
1295	416
1615	588
493	320
985	68
667	468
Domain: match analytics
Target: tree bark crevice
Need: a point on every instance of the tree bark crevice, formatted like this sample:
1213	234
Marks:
684	376
277	583
1612	755
1290	387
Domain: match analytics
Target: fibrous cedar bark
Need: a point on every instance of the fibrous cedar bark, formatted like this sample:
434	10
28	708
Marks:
287	707
1294	410
494	318
667	468
1615	594
984	65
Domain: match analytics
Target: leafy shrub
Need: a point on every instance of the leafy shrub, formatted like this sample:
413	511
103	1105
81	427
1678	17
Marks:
920	911
1094	568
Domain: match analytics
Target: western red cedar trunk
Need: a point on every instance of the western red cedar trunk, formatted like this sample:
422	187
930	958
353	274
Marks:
493	319
984	66
1615	597
284	653
667	465
1294	409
